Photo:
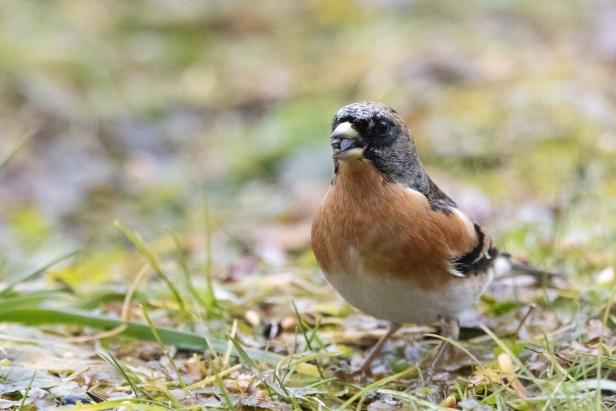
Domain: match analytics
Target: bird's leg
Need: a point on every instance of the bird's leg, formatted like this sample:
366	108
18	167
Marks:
377	348
449	329
366	366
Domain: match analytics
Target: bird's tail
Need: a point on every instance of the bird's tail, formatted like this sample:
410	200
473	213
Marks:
507	266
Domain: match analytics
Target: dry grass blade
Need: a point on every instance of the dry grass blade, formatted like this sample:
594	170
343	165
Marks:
506	366
212	378
225	358
124	313
123	403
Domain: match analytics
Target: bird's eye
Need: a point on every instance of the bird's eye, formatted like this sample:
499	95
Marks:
381	127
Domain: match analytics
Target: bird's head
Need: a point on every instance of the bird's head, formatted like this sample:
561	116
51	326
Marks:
369	130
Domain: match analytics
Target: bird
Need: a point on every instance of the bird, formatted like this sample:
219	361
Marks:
388	239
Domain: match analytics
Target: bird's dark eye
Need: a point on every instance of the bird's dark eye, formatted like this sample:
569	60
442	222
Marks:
381	127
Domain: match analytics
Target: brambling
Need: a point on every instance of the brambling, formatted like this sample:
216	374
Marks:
388	239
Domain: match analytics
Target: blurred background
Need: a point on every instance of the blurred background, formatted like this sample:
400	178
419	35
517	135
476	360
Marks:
151	112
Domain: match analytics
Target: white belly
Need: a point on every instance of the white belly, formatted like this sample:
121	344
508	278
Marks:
391	299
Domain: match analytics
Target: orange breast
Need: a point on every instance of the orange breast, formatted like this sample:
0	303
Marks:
368	224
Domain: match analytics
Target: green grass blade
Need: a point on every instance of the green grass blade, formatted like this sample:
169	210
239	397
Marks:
160	342
181	258
374	386
135	238
29	300
36	273
456	344
304	329
248	362
223	390
120	370
183	340
208	252
523	370
26	392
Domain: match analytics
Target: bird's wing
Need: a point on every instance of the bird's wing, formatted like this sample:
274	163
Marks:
437	198
477	259
436	194
471	260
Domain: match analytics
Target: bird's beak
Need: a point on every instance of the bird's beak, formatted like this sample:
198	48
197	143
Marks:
345	141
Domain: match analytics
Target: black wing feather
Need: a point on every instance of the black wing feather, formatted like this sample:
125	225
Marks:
481	257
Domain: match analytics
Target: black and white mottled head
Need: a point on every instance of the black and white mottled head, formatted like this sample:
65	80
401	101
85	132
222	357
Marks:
368	130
